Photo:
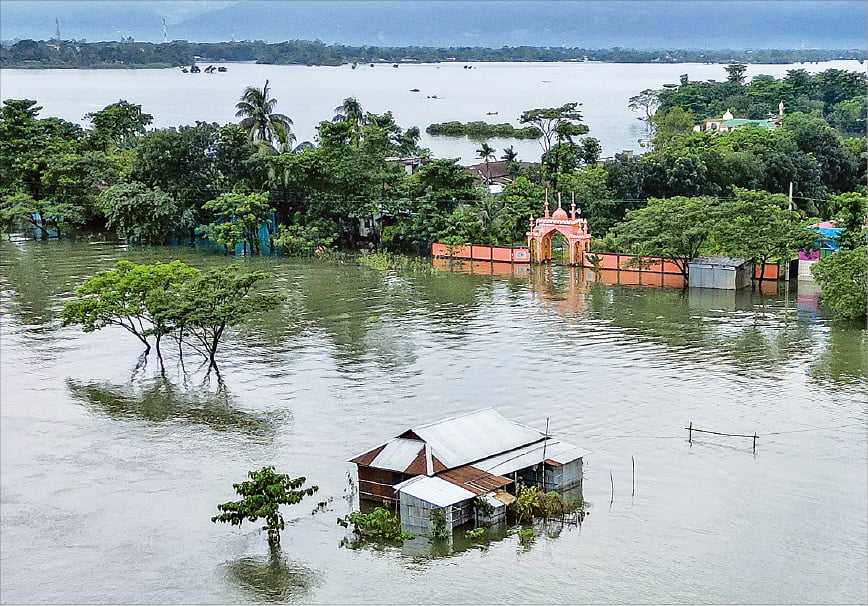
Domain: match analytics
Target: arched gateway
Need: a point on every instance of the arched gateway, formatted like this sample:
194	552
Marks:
573	227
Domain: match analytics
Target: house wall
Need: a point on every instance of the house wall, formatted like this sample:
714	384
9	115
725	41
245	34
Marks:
376	484
744	275
805	270
416	514
564	476
716	276
496	517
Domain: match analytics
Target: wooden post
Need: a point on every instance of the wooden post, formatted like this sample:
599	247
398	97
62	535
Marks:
633	459
612	481
754	442
690	433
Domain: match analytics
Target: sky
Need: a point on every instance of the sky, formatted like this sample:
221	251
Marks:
651	24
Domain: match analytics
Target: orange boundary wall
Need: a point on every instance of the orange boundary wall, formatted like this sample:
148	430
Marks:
477	252
660	265
608	261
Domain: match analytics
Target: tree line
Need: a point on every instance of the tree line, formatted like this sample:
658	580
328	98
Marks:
250	184
130	53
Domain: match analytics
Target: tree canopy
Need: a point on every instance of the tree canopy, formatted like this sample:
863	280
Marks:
262	495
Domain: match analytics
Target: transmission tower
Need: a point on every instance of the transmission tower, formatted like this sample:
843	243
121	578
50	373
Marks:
56	29
165	32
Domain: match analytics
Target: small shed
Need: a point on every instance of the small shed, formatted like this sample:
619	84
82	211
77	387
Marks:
420	496
724	273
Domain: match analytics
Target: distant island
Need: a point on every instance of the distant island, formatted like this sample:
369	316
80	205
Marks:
482	130
128	53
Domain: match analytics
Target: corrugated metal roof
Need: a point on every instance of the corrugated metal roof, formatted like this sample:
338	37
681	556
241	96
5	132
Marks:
473	479
519	458
461	440
724	261
397	454
434	490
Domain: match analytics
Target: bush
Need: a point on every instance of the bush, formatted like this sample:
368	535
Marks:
380	524
439	529
842	278
302	241
533	502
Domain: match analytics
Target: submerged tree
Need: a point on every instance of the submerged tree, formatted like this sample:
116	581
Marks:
677	227
124	296
238	218
262	497
200	310
757	227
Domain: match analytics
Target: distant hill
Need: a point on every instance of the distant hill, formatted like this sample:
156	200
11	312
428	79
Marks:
656	24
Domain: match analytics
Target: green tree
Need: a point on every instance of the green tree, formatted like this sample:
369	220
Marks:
669	124
262	123
119	122
183	163
678	228
555	124
509	154
238	218
646	102
592	195
851	213
756	226
735	73
123	297
486	153
301	240
29	148
199	310
843	279
522	198
140	213
351	112
262	495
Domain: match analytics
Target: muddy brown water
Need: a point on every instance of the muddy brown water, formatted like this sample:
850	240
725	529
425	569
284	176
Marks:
110	473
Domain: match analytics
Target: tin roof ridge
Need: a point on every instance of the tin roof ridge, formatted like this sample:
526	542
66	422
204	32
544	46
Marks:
459	416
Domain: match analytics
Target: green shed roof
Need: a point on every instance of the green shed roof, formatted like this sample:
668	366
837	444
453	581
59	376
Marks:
747	122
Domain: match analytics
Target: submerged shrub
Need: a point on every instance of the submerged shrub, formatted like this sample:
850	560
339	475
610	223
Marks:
379	524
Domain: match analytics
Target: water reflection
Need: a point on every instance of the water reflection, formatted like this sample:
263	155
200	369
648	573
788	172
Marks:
371	316
845	356
159	400
272	578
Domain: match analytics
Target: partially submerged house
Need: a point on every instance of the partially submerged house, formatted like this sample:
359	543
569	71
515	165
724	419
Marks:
719	272
826	244
461	464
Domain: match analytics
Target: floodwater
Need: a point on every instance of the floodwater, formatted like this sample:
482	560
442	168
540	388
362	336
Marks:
493	92
110	473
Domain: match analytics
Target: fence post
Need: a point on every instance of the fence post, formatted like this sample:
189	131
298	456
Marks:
754	442
690	433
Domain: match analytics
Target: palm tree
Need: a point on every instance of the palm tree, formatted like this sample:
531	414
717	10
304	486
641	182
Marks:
408	141
486	153
509	154
351	111
256	109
